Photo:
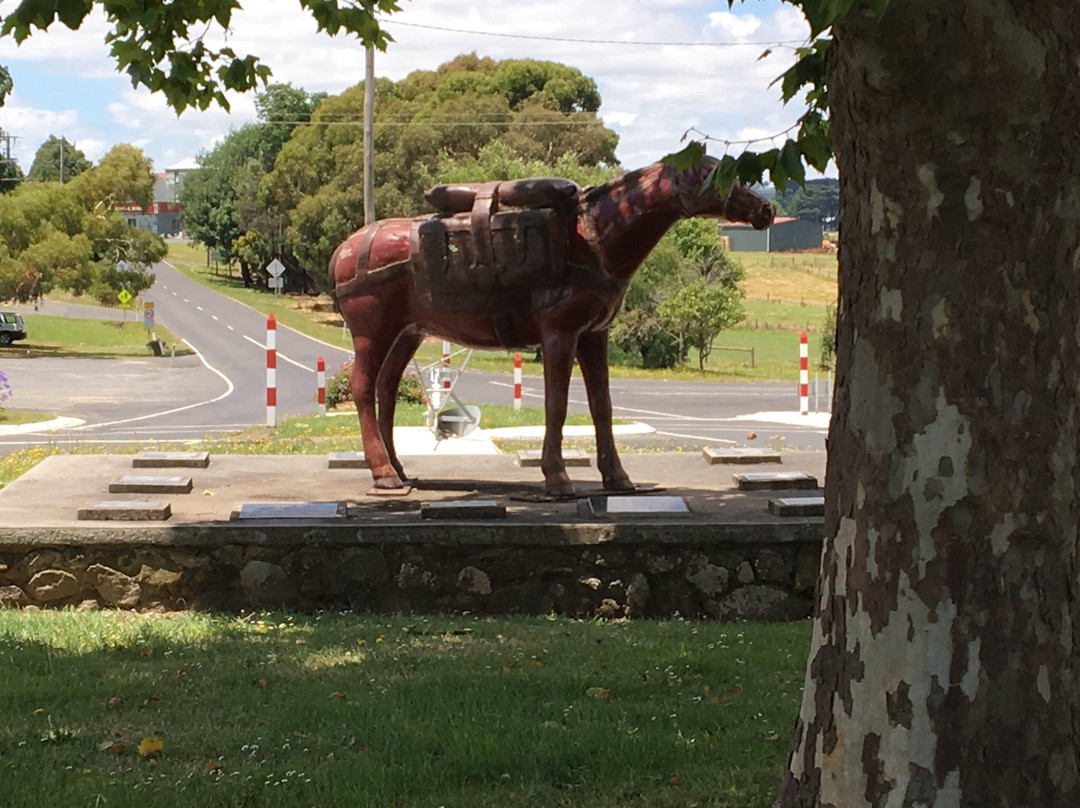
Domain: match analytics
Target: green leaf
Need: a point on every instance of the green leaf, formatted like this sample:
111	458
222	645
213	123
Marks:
748	168
791	160
72	12
722	176
687	157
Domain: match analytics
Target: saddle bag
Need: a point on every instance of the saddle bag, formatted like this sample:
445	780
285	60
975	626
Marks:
487	259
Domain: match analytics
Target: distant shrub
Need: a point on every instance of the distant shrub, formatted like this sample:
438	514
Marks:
409	391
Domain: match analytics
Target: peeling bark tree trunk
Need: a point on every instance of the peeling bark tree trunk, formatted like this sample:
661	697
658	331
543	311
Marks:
944	664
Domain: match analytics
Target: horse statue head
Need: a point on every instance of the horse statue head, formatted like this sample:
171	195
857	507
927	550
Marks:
697	197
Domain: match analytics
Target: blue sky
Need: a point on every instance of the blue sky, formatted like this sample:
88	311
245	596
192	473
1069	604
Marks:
66	85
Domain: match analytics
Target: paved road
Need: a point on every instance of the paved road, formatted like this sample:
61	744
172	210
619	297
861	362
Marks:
222	388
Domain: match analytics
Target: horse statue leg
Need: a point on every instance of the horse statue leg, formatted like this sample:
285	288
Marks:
558	359
386	387
592	356
370	351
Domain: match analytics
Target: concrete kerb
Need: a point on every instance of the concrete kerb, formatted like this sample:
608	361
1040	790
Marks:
61	422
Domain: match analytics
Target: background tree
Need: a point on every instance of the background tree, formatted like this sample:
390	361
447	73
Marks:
69	236
122	178
57	160
220	198
697	312
685	293
10	172
816	201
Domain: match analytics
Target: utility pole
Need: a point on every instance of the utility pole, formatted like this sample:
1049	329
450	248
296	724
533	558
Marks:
61	161
369	137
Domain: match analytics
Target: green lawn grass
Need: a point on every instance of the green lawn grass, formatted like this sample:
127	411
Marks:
49	335
341	710
10	417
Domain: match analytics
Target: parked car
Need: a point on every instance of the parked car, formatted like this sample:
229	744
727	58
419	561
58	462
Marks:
11	327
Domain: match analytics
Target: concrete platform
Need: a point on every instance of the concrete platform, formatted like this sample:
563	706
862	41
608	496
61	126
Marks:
46	500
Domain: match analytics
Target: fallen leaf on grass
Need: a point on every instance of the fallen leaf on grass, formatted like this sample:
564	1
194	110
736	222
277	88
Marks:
537	663
116	701
720	702
673	779
340	696
259	682
598	693
211	767
116	747
149	747
146	651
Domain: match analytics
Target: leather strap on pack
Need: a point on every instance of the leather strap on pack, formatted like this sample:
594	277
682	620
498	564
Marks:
485	204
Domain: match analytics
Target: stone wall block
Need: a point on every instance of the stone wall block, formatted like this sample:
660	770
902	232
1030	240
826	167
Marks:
474	581
707	578
267	584
412	576
807	564
745	572
44	560
762	603
771	568
13	596
115	588
637	596
53	585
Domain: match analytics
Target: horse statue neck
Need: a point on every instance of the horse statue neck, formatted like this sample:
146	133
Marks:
628	215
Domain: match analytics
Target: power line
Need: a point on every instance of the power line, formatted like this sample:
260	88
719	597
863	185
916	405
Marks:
636	42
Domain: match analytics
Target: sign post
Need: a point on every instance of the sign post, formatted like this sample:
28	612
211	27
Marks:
275	269
148	316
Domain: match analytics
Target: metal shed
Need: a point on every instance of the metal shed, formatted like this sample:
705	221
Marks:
786	233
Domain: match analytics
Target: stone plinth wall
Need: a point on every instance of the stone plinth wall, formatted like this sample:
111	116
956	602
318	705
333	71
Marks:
697	571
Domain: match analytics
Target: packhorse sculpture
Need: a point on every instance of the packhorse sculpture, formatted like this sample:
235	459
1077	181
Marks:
516	264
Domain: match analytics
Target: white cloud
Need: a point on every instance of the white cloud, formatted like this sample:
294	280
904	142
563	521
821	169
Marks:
651	93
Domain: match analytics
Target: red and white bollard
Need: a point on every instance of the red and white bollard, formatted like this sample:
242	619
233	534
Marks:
320	375
271	371
804	375
517	381
445	375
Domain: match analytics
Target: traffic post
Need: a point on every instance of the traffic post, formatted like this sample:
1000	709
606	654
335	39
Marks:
271	370
320	374
517	381
804	375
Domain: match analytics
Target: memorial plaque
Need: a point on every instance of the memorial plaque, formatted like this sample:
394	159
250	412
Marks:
463	509
797	506
162	460
632	505
126	511
146	484
290	510
774	480
347	460
530	458
713	455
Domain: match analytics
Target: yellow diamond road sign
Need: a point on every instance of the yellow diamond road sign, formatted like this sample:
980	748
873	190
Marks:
124	297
